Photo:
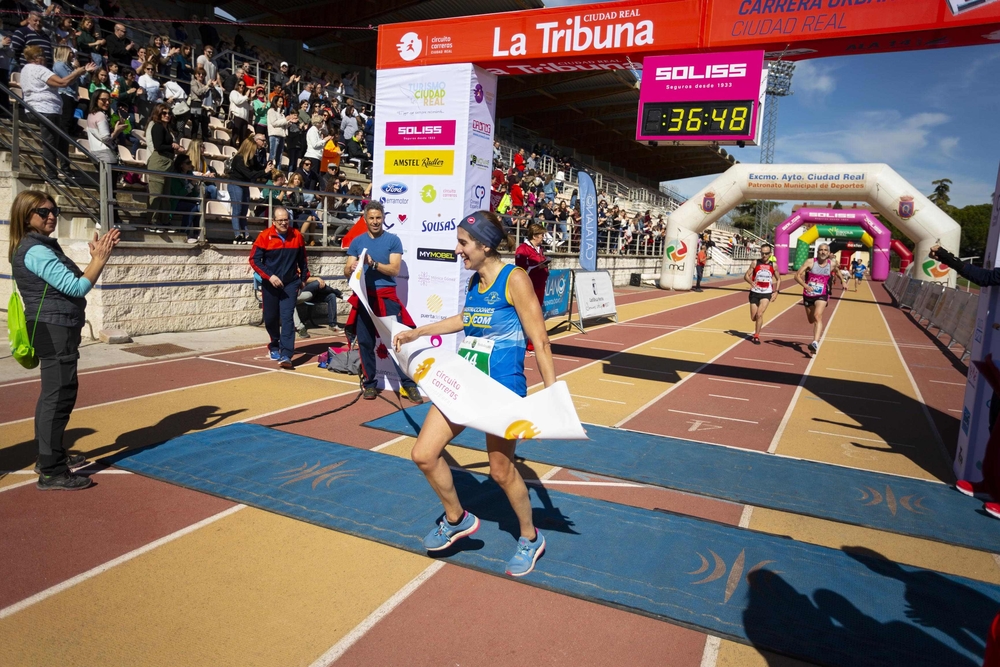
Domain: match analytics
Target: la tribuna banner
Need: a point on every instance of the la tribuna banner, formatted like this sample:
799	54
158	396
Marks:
619	35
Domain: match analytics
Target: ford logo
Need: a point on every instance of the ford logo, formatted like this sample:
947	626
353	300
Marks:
394	188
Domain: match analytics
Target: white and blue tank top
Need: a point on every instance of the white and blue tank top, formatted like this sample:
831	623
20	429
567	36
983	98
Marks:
495	341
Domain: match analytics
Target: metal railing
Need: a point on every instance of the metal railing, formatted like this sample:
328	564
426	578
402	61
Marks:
949	310
564	237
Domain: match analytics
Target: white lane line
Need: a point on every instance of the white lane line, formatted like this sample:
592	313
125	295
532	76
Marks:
104	370
798	390
667	349
953	384
263	371
942	448
860	398
307	375
710	656
690	375
745	516
606	342
566	359
851	414
295	407
388	443
104	567
383	610
550	474
699	414
731	398
591	398
764	361
848	370
848	436
631	384
954	410
11	487
571	482
752	384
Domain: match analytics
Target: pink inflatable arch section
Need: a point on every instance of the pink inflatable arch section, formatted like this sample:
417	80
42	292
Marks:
827	216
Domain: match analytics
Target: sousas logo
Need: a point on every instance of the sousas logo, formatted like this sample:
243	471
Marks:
690	73
438	225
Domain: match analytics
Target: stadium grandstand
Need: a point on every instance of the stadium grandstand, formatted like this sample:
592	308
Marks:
263	109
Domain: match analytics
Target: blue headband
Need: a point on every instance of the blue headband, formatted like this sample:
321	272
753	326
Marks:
479	227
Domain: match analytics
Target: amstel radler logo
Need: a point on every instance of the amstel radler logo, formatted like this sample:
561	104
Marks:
420	162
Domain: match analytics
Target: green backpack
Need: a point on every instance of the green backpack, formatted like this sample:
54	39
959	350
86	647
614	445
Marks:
22	347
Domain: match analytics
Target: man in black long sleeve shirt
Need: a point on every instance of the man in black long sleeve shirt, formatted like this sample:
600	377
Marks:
120	48
980	276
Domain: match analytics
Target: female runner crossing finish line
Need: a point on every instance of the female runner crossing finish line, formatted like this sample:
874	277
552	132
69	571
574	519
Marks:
500	308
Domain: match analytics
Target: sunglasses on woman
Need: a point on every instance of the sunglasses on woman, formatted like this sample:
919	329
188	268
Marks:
44	213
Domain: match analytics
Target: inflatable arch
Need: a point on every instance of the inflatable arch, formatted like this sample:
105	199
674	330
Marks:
876	184
830	223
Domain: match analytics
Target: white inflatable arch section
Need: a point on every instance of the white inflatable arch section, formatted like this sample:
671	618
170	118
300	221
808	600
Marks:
875	184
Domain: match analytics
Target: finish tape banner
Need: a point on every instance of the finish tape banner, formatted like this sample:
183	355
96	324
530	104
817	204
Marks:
469	397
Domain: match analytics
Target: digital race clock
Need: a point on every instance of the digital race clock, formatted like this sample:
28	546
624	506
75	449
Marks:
685	119
706	98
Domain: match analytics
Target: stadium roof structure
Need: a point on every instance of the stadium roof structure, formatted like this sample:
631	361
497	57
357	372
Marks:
591	112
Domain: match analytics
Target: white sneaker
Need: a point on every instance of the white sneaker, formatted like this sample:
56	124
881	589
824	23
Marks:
814	346
192	241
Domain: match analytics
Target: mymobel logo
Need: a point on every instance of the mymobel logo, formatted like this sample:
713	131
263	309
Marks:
692	73
409	46
478	162
437	254
428	194
935	270
437	163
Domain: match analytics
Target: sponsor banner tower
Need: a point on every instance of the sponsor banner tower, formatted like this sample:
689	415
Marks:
433	160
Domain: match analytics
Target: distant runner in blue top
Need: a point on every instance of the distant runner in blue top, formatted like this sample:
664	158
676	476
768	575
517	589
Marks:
858	274
501	309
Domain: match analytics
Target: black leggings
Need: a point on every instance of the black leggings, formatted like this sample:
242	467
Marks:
239	131
58	351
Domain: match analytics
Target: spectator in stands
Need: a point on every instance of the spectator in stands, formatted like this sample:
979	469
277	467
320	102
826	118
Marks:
279	258
149	81
140	58
31	34
350	82
300	204
209	35
274	195
529	256
349	122
53	289
315	143
120	49
87	43
307	170
574	198
549	188
39	85
163	151
183	62
260	106
101	139
295	141
239	109
562	222
246	168
305	94
244	73
65	64
278	125
100	81
177	99
185	196
519	160
358	153
202	167
206	63
130	94
7	63
201	101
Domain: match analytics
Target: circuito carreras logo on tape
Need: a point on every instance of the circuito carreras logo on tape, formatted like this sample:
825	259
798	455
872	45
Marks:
435	303
522	429
423	369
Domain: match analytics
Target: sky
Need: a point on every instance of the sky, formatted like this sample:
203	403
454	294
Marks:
927	114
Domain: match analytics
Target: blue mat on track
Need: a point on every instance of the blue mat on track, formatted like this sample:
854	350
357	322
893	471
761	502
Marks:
802	600
875	500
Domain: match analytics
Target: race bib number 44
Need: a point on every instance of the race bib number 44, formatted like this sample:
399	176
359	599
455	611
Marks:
477	352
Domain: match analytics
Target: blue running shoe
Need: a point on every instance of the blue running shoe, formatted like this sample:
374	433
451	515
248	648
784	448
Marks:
446	534
275	355
527	553
284	362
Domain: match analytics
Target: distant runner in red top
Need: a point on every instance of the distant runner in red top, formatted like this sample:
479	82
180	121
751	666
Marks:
764	285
